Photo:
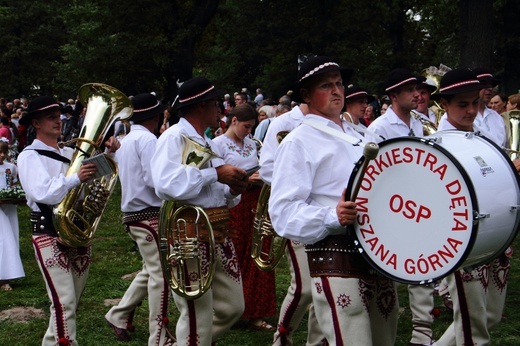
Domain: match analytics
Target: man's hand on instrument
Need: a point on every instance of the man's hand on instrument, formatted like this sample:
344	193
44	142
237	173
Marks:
86	172
346	211
236	178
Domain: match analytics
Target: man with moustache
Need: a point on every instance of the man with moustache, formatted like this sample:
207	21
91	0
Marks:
397	120
356	102
425	88
308	204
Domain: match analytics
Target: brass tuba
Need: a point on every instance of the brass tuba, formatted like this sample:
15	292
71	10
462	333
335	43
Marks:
77	217
267	247
178	245
435	74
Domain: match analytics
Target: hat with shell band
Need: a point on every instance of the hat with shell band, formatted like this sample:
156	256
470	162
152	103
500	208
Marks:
355	92
457	81
485	76
37	106
399	77
146	106
316	66
195	90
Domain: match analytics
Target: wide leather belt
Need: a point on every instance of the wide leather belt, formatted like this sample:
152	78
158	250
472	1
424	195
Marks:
145	214
42	225
219	219
336	255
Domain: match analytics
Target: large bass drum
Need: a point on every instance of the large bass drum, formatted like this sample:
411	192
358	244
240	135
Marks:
428	206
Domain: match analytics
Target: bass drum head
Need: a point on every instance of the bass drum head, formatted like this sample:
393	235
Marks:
414	211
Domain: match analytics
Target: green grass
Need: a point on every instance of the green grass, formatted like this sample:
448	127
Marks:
112	259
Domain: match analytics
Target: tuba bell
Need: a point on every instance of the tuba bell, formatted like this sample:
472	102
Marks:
181	229
267	246
77	216
435	74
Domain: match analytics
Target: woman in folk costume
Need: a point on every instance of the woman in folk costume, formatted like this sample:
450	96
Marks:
240	150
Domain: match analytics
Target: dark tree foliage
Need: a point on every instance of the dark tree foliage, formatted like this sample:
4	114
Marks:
54	47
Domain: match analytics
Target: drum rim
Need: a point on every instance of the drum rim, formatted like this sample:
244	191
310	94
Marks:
473	198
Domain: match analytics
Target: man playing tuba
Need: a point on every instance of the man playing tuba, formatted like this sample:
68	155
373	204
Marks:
213	186
42	168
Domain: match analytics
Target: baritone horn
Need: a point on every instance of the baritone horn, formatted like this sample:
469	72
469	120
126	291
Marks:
267	246
180	236
77	216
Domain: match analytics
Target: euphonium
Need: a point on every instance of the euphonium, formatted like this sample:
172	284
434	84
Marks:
267	247
179	245
77	217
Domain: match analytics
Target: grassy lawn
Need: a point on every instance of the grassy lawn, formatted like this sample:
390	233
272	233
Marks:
112	259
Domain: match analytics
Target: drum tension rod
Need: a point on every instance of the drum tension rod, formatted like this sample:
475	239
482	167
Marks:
515	207
478	216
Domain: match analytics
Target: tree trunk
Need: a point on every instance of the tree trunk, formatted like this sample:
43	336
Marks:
476	33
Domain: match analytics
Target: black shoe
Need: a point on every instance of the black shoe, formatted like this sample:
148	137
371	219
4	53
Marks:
121	334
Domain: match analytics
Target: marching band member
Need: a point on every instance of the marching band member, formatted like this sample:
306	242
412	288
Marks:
308	204
489	121
299	295
397	120
478	295
42	167
356	102
425	88
140	206
216	186
406	92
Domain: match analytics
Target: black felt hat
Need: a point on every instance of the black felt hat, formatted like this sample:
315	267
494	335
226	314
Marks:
316	66
484	76
145	106
37	106
399	77
457	81
195	90
357	92
428	83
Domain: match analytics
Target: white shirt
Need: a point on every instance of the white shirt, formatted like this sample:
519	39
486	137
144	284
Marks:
492	126
133	160
444	124
174	180
389	125
43	178
285	122
311	170
430	116
245	157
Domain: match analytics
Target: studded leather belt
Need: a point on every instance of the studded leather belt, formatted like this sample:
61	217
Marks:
336	255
